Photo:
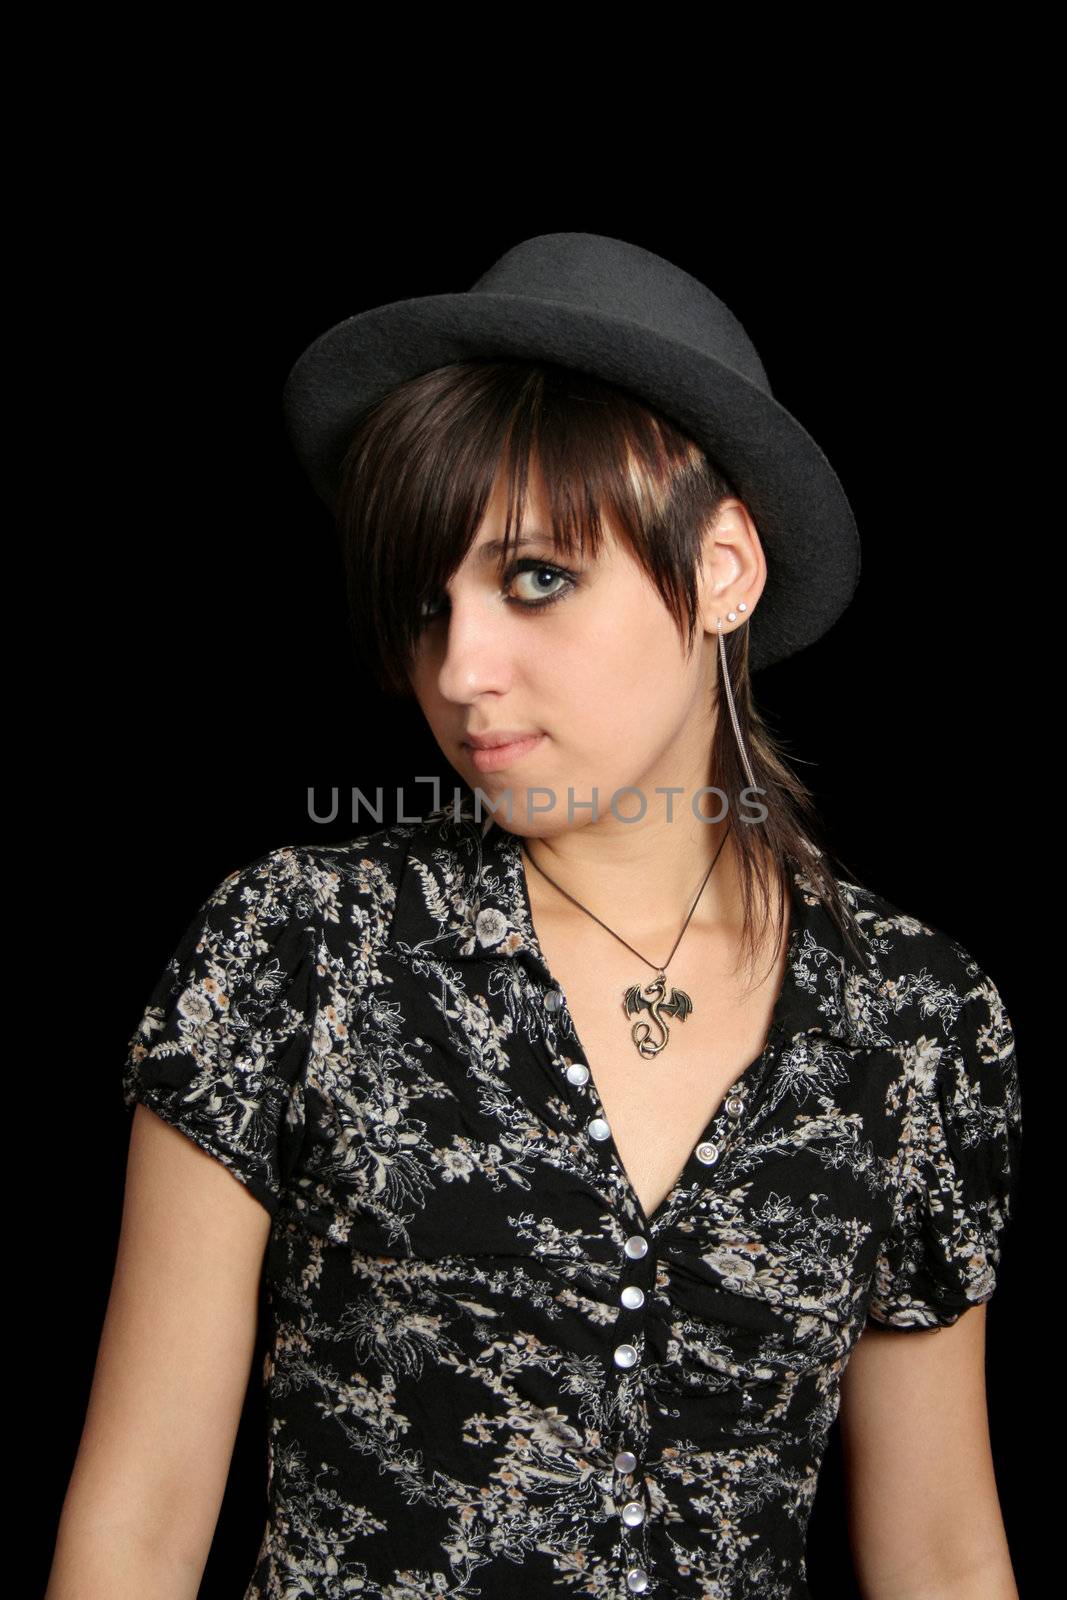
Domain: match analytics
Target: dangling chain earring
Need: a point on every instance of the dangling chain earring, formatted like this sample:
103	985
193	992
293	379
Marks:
654	997
724	673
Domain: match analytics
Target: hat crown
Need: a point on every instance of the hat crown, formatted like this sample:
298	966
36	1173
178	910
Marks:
613	278
633	320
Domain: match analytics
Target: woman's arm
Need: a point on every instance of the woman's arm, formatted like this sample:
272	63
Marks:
171	1377
924	1518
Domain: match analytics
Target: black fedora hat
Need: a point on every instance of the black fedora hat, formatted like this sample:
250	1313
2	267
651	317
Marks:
620	312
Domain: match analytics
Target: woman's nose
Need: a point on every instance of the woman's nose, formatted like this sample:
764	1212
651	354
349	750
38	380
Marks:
475	646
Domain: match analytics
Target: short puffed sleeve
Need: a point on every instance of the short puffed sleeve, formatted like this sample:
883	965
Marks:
958	1166
222	1049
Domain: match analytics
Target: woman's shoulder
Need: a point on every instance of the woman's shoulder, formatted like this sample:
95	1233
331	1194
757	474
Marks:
335	877
912	938
921	971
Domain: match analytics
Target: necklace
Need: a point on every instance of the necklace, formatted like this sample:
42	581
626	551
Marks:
651	997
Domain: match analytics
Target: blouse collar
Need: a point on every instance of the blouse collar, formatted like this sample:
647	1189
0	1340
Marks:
462	897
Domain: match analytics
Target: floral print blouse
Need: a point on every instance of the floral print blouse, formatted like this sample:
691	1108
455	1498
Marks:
489	1373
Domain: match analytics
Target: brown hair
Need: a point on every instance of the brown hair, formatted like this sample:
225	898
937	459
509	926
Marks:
415	482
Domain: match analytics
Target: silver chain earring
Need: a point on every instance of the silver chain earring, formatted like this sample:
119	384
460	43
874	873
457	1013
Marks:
724	673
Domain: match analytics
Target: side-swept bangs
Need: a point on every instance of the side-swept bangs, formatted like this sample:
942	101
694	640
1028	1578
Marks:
422	465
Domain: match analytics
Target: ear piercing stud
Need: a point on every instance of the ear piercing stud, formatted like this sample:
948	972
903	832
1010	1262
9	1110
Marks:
731	616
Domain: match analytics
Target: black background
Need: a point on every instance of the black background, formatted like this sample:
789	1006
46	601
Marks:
197	616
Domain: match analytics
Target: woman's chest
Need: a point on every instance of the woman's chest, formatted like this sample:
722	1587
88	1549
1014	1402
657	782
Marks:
662	1056
451	1118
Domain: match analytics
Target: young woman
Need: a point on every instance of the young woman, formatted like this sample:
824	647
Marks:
603	1142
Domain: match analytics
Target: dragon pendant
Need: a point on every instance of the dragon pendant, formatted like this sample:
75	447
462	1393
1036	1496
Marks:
653	999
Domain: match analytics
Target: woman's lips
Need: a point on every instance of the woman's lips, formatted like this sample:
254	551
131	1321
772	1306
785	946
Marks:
503	755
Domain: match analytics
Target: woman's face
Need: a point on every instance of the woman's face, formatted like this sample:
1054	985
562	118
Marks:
587	659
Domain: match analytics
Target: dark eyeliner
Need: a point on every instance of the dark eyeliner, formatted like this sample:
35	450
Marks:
527	564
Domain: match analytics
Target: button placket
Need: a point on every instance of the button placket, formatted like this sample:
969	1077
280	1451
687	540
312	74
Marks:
596	1126
723	1133
726	1128
636	1280
723	1128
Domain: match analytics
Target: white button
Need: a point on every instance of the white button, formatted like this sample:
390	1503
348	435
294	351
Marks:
735	1105
577	1073
632	1297
636	1247
707	1152
553	1000
625	1355
625	1461
598	1129
633	1513
637	1580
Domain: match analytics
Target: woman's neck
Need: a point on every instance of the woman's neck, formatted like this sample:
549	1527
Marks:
642	883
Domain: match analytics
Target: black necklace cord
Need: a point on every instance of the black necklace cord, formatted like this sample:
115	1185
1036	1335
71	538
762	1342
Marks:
615	935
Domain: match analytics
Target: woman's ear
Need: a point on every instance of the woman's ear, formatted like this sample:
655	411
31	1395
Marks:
732	567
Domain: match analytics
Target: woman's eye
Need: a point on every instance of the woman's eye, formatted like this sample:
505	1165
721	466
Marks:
537	590
536	593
